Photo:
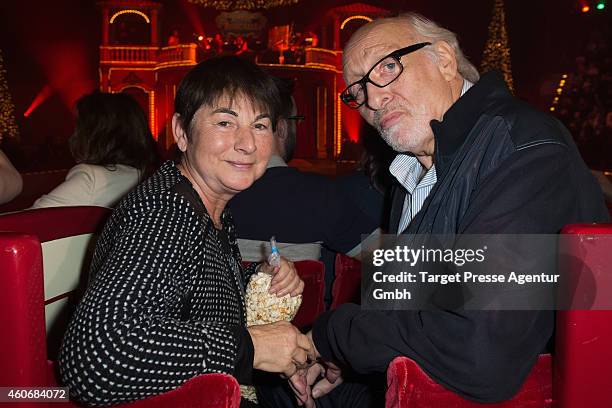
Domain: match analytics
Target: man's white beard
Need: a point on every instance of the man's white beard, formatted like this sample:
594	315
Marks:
387	136
412	143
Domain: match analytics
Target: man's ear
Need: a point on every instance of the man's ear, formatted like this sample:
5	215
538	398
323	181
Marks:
180	136
447	60
282	129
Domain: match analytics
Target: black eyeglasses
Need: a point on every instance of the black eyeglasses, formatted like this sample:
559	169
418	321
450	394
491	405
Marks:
297	118
385	71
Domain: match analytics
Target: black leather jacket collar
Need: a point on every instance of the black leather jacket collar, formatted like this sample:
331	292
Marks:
461	117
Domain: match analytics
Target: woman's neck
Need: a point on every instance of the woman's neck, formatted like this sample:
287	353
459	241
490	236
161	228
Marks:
213	202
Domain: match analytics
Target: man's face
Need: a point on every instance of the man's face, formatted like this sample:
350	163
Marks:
402	110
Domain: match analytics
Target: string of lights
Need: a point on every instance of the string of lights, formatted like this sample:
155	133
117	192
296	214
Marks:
558	92
8	126
243	4
496	54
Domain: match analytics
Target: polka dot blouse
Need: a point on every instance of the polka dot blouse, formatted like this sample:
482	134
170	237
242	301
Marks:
165	299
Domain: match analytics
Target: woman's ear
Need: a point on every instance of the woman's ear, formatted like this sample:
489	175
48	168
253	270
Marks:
447	60
180	136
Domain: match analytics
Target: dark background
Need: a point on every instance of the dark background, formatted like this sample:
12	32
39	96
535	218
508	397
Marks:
54	44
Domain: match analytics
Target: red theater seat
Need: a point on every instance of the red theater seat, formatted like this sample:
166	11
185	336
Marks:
22	316
347	281
40	267
411	387
313	275
582	374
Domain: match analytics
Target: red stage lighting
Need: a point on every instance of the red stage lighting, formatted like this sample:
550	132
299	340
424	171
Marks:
585	9
192	13
42	96
200	37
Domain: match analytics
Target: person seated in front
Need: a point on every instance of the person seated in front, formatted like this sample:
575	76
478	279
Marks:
165	300
303	210
113	147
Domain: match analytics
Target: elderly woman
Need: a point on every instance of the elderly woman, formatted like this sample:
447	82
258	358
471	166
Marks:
165	300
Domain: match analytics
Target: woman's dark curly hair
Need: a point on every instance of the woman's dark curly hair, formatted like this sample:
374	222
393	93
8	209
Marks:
112	129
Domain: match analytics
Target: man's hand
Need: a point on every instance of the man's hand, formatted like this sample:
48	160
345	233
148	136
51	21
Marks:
279	347
285	278
301	384
314	382
332	379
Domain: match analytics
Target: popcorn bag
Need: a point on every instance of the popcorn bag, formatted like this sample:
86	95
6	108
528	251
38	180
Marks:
263	308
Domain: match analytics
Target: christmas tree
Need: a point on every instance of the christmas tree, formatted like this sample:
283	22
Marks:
496	54
8	127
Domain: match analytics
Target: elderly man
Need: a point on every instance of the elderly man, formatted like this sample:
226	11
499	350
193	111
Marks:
472	159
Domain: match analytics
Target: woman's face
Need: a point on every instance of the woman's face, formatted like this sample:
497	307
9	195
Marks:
229	148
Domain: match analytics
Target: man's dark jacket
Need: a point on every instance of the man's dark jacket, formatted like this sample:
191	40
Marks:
502	168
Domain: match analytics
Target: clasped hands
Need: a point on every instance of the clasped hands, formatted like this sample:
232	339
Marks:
315	381
281	348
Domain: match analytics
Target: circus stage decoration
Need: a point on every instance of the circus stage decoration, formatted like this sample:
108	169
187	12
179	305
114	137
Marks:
243	4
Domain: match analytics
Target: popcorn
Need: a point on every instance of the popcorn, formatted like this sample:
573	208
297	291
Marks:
263	308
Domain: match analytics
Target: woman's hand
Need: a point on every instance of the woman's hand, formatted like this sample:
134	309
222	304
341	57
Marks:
285	278
280	348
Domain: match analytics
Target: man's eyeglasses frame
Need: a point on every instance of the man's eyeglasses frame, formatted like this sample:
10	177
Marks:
347	97
297	118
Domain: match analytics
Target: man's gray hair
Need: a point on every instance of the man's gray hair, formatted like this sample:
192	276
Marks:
427	30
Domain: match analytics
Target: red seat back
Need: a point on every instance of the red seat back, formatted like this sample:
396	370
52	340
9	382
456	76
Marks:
22	343
202	391
347	281
583	342
313	275
56	222
410	387
67	236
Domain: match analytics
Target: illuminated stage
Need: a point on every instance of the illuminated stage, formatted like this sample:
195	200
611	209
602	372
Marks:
151	73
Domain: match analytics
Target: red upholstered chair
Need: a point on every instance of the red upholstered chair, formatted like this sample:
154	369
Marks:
41	266
582	361
203	391
66	235
313	275
347	282
582	374
411	387
22	317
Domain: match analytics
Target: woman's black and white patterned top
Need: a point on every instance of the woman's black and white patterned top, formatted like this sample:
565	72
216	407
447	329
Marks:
164	301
